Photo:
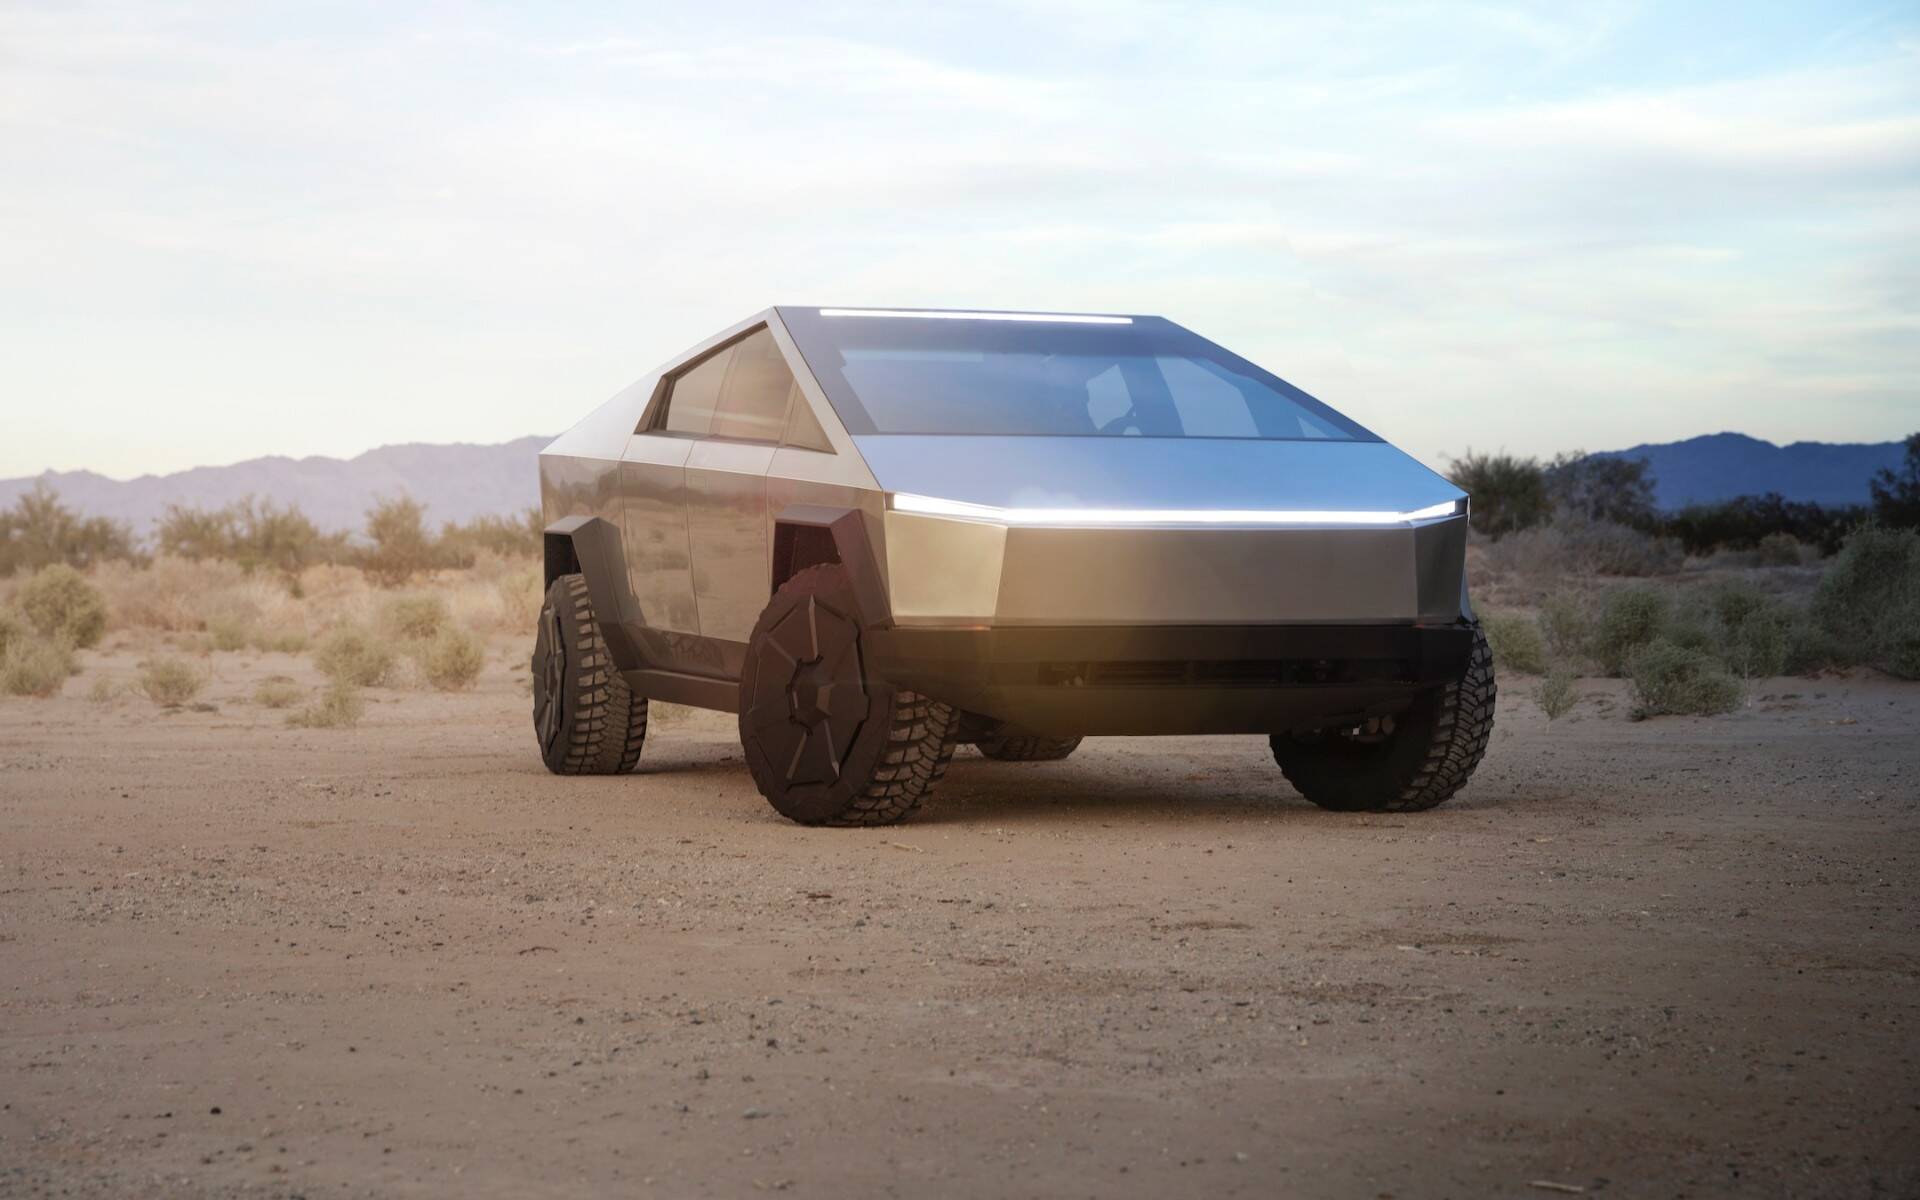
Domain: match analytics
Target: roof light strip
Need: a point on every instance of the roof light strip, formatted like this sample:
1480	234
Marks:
931	506
938	315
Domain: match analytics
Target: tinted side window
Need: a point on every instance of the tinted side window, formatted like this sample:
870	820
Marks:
803	428
753	400
696	394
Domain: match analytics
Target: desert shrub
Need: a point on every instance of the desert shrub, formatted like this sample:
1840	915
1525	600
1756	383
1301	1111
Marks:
230	631
1896	494
11	627
249	532
1742	523
401	547
452	660
1516	642
1565	623
1585	548
1630	618
277	691
414	617
1868	603
1778	550
1508	493
339	707
59	602
1749	630
36	666
1668	678
518	537
102	690
1554	693
355	655
1600	488
39	531
279	641
170	682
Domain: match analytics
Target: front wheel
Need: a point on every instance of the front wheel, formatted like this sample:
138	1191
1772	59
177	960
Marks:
588	721
826	744
1403	763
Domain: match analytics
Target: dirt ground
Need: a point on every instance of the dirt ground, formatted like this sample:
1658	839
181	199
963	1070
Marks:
1667	958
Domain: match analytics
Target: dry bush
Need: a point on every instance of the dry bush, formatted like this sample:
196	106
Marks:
36	666
171	596
1669	678
401	546
452	660
39	531
1629	619
278	691
414	616
1516	642
340	707
170	682
1554	693
1779	550
1567	623
11	627
498	595
1868	604
58	602
1585	548
353	654
103	690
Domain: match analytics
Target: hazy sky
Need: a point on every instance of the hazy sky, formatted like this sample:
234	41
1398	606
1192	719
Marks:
314	228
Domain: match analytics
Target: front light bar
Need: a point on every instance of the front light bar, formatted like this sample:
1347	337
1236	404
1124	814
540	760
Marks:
934	507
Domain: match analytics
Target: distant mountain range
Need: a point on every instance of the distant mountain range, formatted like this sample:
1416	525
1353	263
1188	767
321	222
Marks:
456	483
1721	466
459	482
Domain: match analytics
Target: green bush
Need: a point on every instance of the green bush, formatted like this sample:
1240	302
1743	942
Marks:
353	655
340	707
1669	678
1508	493
1516	642
1555	693
59	602
1565	623
452	660
401	546
170	682
1868	603
37	667
415	617
1629	618
39	530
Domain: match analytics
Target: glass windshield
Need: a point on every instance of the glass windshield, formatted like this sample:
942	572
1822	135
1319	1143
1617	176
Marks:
1127	377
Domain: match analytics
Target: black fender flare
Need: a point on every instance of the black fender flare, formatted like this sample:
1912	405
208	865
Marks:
591	547
852	548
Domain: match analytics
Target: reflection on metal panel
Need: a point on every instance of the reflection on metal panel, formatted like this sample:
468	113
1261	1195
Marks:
1200	576
1119	472
943	570
727	522
653	478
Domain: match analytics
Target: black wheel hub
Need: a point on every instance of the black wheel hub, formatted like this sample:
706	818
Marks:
549	677
809	700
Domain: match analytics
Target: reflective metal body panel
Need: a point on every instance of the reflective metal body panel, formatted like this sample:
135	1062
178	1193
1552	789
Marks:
699	518
727	522
1221	473
659	565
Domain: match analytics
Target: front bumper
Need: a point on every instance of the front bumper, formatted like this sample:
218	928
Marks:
1162	679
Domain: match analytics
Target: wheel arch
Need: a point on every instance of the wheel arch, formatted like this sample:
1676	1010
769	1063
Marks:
809	535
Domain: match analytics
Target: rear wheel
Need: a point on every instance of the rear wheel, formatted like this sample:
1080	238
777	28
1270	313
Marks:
1016	747
826	744
1410	761
588	721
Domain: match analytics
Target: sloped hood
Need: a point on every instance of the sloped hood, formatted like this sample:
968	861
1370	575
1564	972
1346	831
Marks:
1154	473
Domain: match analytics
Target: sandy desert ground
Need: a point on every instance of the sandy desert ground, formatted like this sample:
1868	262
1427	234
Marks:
1666	958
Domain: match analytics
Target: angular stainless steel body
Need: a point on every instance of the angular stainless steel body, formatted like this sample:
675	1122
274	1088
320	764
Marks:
1070	584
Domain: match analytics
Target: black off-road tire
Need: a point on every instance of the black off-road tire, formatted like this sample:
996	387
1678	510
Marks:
1428	754
585	717
1017	747
826	744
